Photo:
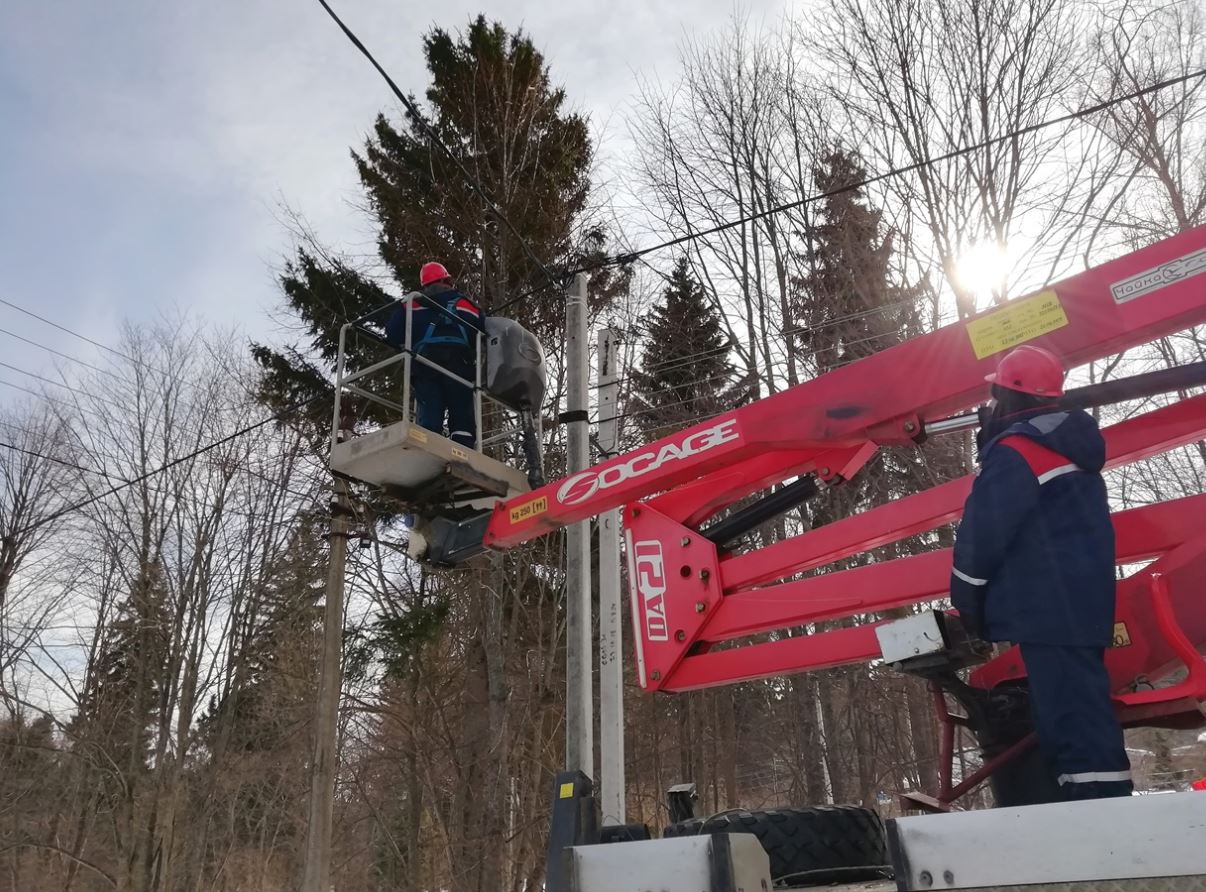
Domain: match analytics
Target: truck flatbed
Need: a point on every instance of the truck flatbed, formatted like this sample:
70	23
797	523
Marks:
1131	844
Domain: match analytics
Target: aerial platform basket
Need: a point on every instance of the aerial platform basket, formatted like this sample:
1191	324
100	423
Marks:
426	471
424	468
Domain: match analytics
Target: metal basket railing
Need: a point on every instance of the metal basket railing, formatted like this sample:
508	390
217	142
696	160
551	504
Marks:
352	382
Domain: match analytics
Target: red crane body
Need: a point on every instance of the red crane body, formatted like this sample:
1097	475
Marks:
702	617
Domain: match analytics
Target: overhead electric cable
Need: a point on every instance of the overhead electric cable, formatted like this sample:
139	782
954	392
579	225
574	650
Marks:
631	256
279	416
430	133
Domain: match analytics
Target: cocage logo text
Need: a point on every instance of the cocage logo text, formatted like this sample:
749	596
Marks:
582	486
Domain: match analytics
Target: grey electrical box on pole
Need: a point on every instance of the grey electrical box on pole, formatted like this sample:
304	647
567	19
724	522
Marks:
611	651
579	694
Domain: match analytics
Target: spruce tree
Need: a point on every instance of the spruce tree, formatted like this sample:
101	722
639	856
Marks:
685	373
847	303
270	695
850	304
121	696
491	101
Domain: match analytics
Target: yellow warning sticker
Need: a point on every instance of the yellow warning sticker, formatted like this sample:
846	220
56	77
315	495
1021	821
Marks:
1122	638
458	452
567	791
417	434
1016	323
529	509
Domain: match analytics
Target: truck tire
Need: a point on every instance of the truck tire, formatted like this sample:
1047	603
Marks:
806	846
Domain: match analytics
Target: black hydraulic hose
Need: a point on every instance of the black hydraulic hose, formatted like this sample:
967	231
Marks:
531	448
751	517
1180	377
1106	393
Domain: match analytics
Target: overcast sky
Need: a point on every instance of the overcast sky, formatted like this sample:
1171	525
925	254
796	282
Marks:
147	147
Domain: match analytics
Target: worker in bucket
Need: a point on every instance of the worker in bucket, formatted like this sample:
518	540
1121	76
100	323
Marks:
1034	565
448	338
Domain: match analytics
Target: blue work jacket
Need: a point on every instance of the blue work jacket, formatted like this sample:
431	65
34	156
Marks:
1034	555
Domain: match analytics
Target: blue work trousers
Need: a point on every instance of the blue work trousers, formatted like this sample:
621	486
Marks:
1078	732
439	396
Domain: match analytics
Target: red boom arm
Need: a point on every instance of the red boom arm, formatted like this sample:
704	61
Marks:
702	618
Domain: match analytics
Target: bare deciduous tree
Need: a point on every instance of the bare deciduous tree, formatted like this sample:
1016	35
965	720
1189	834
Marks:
922	78
38	479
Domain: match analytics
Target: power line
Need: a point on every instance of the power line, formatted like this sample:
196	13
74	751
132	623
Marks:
631	256
93	452
55	401
87	413
430	133
687	359
62	402
279	416
48	399
667	365
619	259
57	461
636	255
92	412
68	387
49	349
66	330
101	453
653	410
678	422
736	376
88	449
75	334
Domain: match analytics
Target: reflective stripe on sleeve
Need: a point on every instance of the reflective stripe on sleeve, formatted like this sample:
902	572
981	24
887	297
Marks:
1056	472
970	580
1094	777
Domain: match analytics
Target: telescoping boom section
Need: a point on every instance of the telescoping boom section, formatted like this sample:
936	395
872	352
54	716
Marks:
703	614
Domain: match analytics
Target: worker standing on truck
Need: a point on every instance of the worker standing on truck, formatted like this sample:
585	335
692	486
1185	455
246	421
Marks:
1034	565
445	332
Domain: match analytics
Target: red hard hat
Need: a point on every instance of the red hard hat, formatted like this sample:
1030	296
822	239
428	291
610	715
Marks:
432	272
1030	369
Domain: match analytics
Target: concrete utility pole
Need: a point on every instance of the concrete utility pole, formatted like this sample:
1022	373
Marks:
317	877
579	694
611	663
